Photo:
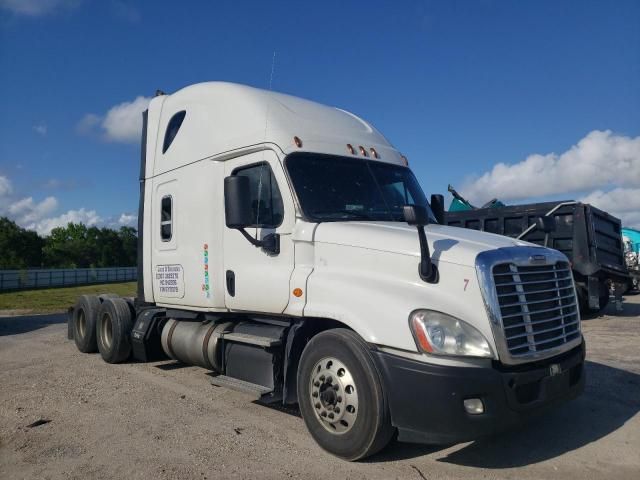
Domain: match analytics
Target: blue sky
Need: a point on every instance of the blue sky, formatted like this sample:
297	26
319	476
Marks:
458	86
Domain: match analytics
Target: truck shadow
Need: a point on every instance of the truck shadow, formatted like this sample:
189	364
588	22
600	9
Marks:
611	398
28	323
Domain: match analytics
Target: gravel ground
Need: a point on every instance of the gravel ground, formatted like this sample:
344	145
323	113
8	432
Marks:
162	420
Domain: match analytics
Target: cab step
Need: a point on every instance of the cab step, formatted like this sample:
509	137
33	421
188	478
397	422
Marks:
252	339
240	386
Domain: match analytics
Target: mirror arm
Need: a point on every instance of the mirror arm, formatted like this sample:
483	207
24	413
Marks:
270	244
428	271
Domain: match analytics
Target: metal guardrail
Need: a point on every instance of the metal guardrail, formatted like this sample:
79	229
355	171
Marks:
59	277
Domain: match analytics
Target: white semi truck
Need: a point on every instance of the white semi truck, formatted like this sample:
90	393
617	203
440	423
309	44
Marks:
287	247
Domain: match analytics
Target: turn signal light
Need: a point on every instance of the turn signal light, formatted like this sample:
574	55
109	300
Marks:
421	335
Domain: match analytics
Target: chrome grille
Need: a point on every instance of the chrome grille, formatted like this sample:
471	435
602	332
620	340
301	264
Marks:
538	306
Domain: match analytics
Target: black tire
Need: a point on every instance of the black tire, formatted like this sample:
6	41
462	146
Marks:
371	430
113	330
84	323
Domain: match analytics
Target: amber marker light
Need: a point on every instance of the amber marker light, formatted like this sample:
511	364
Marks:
374	153
421	335
297	141
350	149
363	151
297	292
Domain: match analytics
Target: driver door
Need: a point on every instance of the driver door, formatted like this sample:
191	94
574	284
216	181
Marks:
257	281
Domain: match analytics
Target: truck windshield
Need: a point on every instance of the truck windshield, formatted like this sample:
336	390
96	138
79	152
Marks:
332	189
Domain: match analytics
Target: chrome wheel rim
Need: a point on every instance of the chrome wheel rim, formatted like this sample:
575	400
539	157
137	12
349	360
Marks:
106	331
333	395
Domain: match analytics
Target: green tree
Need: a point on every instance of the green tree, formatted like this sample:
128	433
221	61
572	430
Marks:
73	246
129	240
19	248
79	246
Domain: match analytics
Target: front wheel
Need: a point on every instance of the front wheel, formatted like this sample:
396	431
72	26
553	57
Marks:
340	396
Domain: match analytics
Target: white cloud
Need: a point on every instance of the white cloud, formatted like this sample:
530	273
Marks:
40	129
34	8
27	211
5	186
128	220
623	203
600	160
122	123
44	226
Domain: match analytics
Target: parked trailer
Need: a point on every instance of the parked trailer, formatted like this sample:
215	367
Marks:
589	237
287	247
631	240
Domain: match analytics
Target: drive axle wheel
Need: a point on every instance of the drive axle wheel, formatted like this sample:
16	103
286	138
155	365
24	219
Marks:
340	395
113	330
84	323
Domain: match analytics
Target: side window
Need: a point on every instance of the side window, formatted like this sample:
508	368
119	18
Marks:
166	218
172	129
266	201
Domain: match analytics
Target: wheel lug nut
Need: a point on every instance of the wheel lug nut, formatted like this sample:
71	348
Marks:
337	409
339	399
316	384
317	405
331	415
336	387
329	379
315	394
323	414
322	377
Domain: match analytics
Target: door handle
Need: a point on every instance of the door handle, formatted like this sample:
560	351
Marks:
231	283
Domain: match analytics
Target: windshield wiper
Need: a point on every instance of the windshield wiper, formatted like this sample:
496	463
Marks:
351	213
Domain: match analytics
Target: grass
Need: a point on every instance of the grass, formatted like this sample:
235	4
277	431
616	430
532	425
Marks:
55	300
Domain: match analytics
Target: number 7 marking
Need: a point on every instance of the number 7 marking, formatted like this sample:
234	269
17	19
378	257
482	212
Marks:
466	284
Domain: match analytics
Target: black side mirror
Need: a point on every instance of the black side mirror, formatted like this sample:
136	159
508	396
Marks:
418	216
437	206
415	215
238	213
546	224
237	198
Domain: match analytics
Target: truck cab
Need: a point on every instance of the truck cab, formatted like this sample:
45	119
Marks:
287	246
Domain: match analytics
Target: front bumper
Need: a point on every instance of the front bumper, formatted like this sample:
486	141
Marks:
426	400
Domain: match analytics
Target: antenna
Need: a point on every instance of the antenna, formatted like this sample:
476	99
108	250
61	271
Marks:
266	125
273	68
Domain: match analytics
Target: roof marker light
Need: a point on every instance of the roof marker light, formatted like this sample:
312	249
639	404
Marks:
350	149
374	153
363	151
297	141
404	159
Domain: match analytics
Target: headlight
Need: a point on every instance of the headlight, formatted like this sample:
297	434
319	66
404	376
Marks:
443	334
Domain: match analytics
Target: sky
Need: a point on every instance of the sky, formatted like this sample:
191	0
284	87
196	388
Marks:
523	101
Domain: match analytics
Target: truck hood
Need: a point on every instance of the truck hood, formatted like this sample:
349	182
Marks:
446	244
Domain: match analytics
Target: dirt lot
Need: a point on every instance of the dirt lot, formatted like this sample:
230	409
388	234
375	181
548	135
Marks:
162	420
